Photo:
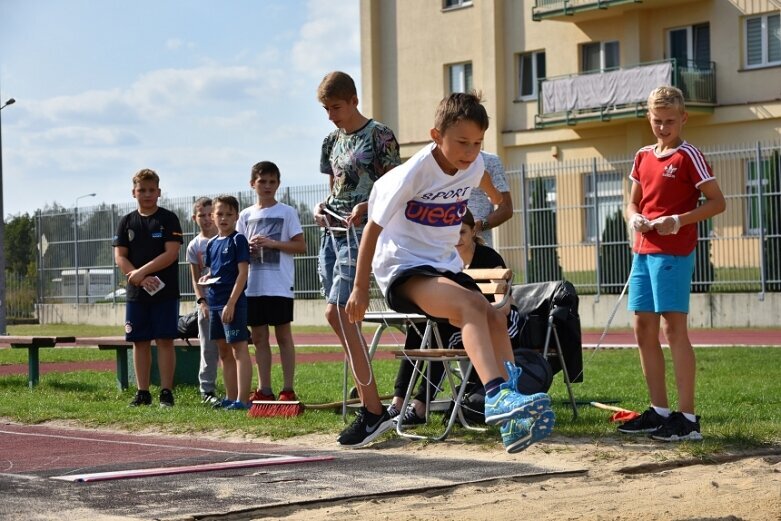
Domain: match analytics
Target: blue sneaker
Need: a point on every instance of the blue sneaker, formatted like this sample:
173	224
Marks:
513	373
238	405
518	434
222	403
507	403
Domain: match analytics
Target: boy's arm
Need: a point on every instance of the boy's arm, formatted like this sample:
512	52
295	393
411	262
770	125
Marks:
714	204
501	214
634	218
165	259
487	186
238	289
195	275
359	298
122	260
296	244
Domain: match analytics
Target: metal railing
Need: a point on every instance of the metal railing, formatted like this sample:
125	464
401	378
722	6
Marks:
594	96
550	8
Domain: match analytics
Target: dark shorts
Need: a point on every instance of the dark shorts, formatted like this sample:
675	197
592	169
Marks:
400	303
269	311
235	331
151	320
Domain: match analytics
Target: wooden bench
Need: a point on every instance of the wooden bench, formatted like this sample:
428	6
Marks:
120	346
33	344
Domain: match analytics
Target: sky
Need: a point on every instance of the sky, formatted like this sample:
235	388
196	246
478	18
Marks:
197	90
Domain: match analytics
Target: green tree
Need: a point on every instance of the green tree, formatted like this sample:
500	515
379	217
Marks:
543	255
20	244
615	255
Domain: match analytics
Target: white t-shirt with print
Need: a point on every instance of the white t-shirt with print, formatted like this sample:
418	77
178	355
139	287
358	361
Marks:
271	271
420	208
196	253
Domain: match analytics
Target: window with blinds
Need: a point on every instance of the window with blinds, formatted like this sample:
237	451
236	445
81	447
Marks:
763	40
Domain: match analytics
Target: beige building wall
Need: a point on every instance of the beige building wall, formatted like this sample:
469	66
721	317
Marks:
407	46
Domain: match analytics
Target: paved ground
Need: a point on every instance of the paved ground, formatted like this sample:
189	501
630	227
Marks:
32	457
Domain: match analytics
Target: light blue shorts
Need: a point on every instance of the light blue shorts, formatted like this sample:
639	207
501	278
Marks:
660	282
336	266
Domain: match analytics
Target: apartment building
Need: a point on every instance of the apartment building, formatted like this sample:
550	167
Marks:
567	80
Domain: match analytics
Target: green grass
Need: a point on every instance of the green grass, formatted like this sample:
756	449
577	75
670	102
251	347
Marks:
737	393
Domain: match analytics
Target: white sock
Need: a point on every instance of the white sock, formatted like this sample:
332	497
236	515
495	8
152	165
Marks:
664	412
689	416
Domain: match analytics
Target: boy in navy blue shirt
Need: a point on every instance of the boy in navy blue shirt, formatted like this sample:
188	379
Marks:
146	249
227	256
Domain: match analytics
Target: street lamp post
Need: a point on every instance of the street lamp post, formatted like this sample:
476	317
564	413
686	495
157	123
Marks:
76	245
3	307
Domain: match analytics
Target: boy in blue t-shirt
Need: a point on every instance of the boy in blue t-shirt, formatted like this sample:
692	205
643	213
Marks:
227	256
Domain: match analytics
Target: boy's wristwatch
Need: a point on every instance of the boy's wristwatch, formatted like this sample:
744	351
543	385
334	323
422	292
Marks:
200	299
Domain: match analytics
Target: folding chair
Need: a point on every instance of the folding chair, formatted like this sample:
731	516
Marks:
379	313
543	316
456	362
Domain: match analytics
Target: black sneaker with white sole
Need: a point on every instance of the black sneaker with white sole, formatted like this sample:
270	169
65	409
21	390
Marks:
365	428
678	428
166	398
646	423
141	398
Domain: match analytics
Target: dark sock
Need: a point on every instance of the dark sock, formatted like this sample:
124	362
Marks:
492	387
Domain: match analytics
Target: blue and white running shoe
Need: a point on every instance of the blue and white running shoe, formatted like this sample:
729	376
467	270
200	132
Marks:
507	403
519	434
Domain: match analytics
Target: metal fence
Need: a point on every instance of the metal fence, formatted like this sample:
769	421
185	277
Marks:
568	223
76	259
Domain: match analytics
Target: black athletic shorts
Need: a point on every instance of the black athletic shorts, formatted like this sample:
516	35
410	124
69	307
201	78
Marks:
269	311
401	304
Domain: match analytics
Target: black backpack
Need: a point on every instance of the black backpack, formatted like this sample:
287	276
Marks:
188	326
536	372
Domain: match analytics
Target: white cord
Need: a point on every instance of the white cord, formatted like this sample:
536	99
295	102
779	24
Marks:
362	341
612	313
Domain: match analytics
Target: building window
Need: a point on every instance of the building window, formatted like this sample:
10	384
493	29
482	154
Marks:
460	77
599	56
454	4
601	203
690	46
531	69
763	40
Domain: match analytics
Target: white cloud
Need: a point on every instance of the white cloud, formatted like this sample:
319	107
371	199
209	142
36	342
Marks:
174	44
81	136
326	42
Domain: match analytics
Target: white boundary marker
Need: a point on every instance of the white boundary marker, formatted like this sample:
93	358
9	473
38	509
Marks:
207	467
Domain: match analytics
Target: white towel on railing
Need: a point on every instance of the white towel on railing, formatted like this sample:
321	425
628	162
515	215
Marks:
591	91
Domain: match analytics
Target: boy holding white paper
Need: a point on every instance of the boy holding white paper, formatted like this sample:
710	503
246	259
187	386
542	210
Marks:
146	250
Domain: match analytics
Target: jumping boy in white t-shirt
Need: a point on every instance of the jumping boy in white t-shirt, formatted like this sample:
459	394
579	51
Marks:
415	215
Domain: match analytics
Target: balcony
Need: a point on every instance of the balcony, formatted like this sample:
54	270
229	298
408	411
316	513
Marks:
621	93
583	10
552	9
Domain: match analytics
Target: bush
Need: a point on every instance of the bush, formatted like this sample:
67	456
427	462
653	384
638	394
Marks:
615	255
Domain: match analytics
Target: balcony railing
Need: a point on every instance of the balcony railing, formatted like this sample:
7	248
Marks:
621	93
556	8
